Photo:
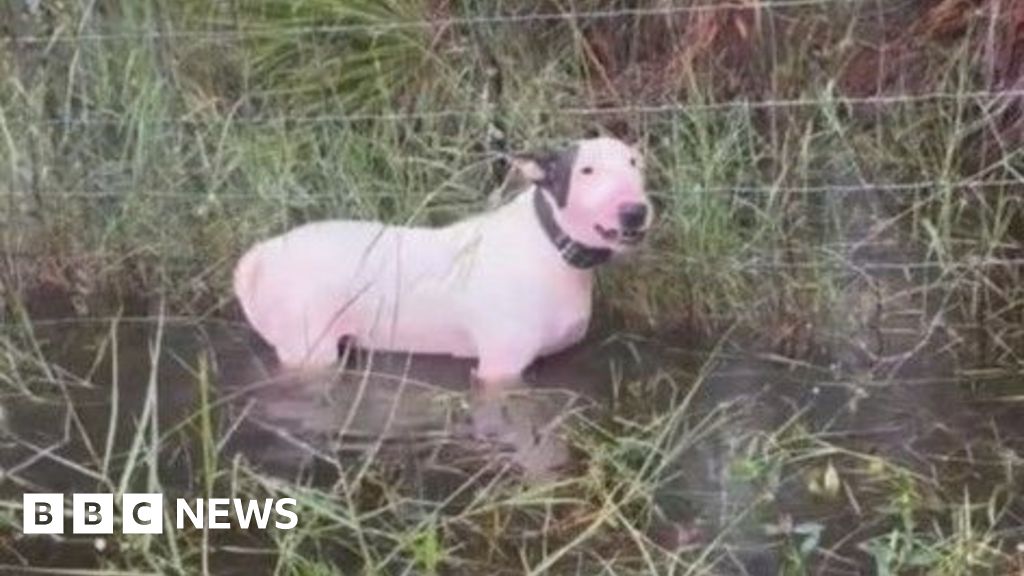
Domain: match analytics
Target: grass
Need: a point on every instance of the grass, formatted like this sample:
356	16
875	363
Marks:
627	506
144	164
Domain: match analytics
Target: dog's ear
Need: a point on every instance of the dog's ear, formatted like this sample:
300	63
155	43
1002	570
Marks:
551	171
533	167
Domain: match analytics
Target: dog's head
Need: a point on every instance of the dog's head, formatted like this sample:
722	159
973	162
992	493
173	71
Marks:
596	187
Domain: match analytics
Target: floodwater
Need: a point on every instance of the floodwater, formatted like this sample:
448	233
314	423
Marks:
420	411
888	378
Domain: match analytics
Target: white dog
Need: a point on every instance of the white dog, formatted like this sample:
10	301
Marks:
506	286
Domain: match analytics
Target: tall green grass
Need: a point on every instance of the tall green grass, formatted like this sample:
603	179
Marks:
152	161
145	163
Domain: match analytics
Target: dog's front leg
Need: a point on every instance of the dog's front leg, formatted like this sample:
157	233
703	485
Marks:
502	362
501	366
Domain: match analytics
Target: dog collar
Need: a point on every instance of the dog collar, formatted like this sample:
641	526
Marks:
576	254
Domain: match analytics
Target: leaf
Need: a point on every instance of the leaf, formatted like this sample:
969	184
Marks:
812	532
876	467
830	482
427	550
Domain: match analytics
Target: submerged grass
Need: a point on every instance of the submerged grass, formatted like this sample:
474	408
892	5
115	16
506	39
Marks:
143	145
670	483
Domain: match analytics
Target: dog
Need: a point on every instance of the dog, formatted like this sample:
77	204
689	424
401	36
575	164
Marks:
505	287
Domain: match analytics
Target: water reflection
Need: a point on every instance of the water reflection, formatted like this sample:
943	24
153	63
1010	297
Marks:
424	415
420	404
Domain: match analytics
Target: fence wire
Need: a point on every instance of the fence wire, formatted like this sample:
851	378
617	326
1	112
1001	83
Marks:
990	102
438	23
287	194
985	98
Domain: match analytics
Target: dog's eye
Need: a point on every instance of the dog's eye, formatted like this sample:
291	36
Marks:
632	162
587	170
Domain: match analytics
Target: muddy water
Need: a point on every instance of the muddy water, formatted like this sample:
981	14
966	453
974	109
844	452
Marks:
889	379
292	418
301	426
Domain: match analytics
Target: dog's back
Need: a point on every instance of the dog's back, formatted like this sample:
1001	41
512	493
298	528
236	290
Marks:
305	289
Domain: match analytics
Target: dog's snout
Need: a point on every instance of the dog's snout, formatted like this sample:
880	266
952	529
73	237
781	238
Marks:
633	215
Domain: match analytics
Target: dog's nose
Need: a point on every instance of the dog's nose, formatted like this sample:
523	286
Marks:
632	215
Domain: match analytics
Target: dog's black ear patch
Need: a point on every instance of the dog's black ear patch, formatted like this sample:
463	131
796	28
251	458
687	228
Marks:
550	170
558	167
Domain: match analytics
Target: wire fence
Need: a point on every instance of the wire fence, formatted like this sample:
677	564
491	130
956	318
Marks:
830	259
227	33
286	194
986	99
986	104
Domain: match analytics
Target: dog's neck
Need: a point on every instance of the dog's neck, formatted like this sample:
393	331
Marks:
575	254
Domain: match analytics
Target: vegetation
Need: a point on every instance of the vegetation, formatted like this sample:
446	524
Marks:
839	185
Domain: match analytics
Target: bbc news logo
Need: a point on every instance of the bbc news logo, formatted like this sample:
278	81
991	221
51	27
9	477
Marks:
144	513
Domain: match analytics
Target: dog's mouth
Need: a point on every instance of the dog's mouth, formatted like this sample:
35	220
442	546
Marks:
627	237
